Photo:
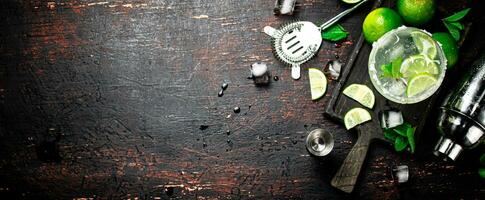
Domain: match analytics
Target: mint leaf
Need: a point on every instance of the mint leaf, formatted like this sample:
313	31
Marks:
390	134
455	33
396	67
387	70
481	171
457	25
457	16
334	33
410	135
402	129
482	160
400	143
393	69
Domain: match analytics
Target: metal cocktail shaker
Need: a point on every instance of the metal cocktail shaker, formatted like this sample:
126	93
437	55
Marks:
461	121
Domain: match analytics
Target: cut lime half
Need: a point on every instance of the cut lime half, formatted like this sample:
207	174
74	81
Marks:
356	116
361	94
425	44
318	83
419	84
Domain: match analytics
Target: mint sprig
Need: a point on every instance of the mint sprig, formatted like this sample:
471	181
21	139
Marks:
453	25
402	136
393	69
335	33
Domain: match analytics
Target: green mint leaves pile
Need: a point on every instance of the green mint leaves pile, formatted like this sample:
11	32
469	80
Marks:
453	23
402	136
334	33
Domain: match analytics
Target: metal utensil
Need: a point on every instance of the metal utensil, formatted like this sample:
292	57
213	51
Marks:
319	142
297	42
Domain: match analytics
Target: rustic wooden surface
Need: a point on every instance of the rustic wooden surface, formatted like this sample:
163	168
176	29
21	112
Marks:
131	89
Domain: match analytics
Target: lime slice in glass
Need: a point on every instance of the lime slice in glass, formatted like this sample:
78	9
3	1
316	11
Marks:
418	64
356	116
419	84
318	83
361	94
425	44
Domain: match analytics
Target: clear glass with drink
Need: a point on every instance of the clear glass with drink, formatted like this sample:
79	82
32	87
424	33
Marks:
406	65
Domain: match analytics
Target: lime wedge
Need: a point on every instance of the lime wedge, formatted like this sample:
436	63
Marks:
351	1
356	116
361	94
418	64
425	44
318	83
419	84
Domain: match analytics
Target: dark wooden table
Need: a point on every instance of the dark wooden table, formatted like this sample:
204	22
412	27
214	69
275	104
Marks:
130	91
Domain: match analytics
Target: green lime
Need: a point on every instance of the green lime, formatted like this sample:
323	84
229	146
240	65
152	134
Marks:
420	83
351	1
356	116
378	22
318	83
361	94
418	64
449	46
424	43
416	12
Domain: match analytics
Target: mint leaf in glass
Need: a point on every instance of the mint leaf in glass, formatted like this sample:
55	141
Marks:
334	33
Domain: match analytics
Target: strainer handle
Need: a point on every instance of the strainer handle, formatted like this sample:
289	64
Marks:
295	72
339	16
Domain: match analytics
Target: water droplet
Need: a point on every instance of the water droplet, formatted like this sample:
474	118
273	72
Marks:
276	78
228	132
204	145
224	86
220	93
237	109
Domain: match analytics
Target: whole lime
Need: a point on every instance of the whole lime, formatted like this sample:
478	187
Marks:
416	12
449	46
378	22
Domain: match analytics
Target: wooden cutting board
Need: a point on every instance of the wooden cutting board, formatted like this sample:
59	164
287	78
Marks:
356	71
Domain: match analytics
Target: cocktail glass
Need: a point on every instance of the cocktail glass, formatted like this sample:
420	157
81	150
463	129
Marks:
406	65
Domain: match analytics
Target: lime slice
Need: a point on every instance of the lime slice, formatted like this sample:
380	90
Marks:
351	1
419	84
425	44
418	64
361	94
318	83
356	116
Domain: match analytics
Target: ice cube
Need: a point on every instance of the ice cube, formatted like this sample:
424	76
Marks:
395	87
401	173
391	118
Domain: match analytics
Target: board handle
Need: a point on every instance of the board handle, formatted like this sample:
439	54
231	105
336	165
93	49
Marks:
348	173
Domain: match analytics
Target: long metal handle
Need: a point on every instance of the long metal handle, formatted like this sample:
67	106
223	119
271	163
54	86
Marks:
348	173
342	14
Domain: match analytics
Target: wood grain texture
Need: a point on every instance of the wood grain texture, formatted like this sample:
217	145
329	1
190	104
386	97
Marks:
130	87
